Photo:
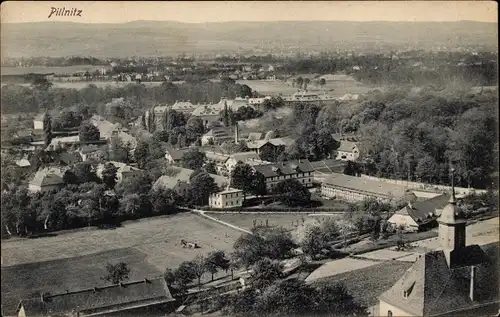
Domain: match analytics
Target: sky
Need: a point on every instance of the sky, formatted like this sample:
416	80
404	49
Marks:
221	11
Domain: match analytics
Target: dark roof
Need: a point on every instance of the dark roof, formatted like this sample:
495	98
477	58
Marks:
425	211
435	289
176	154
91	148
115	297
46	177
284	168
69	158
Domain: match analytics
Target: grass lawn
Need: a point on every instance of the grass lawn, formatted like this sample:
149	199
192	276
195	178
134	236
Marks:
77	259
245	220
366	284
336	88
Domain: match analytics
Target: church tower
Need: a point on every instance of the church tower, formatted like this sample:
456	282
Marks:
452	228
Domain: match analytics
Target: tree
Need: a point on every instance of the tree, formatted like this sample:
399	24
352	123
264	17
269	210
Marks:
109	175
117	272
141	154
271	154
200	188
306	82
199	267
352	168
210	168
119	151
216	260
292	192
89	132
193	159
265	272
47	127
84	173
185	273
194	129
322	82
242	178
299	81
163	201
161	136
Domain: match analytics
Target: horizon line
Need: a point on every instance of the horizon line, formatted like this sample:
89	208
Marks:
250	21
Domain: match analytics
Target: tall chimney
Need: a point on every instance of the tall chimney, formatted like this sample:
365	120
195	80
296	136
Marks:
472	281
236	133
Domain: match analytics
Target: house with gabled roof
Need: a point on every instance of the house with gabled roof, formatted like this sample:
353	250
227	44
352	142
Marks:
185	107
124	171
300	170
347	151
47	179
127	297
419	215
459	280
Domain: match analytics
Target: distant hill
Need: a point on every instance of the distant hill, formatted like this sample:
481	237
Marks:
150	38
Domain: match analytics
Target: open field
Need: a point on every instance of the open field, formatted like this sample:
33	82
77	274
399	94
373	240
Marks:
366	284
336	88
49	70
245	220
77	259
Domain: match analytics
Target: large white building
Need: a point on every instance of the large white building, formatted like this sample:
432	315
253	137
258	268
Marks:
228	198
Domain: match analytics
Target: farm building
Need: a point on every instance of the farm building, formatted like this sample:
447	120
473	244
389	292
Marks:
228	198
272	143
47	179
174	156
217	135
421	215
250	158
122	298
459	280
176	179
352	188
124	171
347	151
274	173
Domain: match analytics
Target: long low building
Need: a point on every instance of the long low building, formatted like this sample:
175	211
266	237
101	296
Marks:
352	188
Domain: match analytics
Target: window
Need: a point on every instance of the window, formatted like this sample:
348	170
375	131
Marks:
389	313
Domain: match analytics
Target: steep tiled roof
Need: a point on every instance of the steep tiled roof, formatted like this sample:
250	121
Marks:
285	168
347	146
100	300
365	185
244	156
176	175
216	156
176	154
425	211
433	288
47	177
284	141
254	136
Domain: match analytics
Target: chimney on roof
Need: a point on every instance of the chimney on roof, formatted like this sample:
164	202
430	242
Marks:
472	282
236	134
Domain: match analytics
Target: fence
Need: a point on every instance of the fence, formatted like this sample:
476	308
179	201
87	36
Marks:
424	186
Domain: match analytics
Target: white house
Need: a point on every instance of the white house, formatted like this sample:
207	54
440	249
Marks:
228	198
251	158
38	122
47	179
348	151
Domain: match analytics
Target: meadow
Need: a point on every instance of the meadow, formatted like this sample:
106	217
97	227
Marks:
336	86
77	259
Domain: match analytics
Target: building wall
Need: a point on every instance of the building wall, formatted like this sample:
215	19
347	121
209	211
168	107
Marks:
306	179
396	312
226	200
332	191
37	124
397	220
349	156
35	188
